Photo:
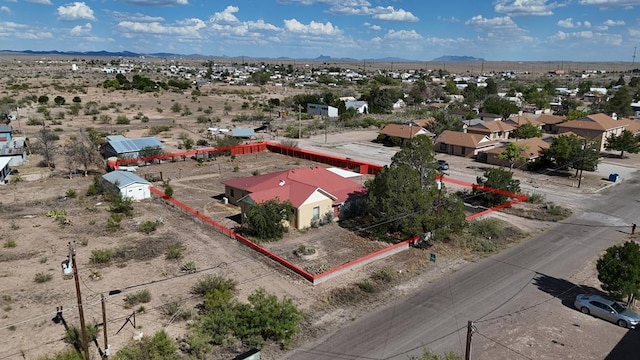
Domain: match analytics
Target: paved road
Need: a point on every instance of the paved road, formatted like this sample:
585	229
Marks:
496	286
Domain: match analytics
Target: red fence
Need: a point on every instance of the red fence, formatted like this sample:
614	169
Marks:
363	168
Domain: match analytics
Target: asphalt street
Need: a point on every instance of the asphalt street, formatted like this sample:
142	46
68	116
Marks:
493	287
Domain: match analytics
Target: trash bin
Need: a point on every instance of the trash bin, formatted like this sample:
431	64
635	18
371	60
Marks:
613	177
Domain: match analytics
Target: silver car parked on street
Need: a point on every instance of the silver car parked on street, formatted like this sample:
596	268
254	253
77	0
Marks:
600	306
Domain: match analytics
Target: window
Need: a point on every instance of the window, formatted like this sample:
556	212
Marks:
316	213
232	193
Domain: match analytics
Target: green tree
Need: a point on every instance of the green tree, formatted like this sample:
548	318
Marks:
620	102
497	105
77	99
513	153
576	114
381	99
492	87
43	99
187	141
266	220
497	179
444	121
59	100
527	131
619	270
626	141
564	151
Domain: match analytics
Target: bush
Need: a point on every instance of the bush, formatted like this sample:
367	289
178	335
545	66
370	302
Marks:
168	190
367	286
148	227
210	283
9	243
113	222
42	277
535	198
101	256
71	193
139	297
486	228
174	251
123	120
73	335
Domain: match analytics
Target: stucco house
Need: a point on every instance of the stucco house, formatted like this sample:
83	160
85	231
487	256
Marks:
550	122
313	191
463	144
519	120
128	184
531	150
494	130
595	127
362	107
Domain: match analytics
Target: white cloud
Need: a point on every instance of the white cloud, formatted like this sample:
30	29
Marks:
525	7
75	11
34	35
81	30
589	37
610	3
452	19
156	2
586	24
568	23
403	35
43	2
313	28
610	22
391	14
188	27
373	27
225	16
5	9
136	17
481	22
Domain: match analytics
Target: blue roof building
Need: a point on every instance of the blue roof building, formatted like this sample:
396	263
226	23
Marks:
122	147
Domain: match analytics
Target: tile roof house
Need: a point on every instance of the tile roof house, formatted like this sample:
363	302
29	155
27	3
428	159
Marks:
550	122
494	130
463	144
595	127
122	147
531	150
313	191
520	120
404	131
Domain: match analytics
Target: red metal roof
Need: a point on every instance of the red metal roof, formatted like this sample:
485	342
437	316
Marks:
296	185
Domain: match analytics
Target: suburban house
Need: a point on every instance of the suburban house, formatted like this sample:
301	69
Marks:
489	116
362	107
11	147
125	148
323	110
463	144
313	191
520	120
404	131
550	122
531	150
5	170
128	184
494	130
595	127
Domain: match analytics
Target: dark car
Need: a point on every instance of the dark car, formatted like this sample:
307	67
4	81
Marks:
607	309
443	165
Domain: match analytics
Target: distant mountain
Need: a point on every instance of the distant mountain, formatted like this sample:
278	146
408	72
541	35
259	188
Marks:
451	58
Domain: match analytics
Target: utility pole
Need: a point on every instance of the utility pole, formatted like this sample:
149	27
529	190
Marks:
467	353
83	329
104	328
299	121
584	152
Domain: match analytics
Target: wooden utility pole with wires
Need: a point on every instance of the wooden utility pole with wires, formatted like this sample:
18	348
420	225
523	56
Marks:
104	328
83	328
467	352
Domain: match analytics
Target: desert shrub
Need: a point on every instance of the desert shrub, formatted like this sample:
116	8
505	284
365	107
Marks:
73	335
367	286
210	283
123	120
174	251
101	256
174	310
158	346
35	121
535	198
10	243
121	205
168	190
202	142
202	119
138	297
176	107
67	354
42	277
486	228
384	275
71	193
485	245
148	226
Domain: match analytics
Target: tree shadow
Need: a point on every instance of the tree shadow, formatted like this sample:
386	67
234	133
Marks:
563	289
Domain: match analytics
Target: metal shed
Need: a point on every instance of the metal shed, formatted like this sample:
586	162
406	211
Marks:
129	184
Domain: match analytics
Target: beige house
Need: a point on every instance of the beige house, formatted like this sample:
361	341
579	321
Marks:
463	144
494	130
531	150
315	192
404	131
550	122
520	120
596	127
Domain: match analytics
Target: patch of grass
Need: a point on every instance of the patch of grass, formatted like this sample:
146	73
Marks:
486	228
10	243
148	227
138	297
43	260
14	226
71	193
174	310
384	275
42	278
367	286
535	198
101	256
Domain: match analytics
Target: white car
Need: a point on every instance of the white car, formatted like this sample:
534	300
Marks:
607	309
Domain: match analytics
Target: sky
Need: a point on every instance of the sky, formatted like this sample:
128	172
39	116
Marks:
419	30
